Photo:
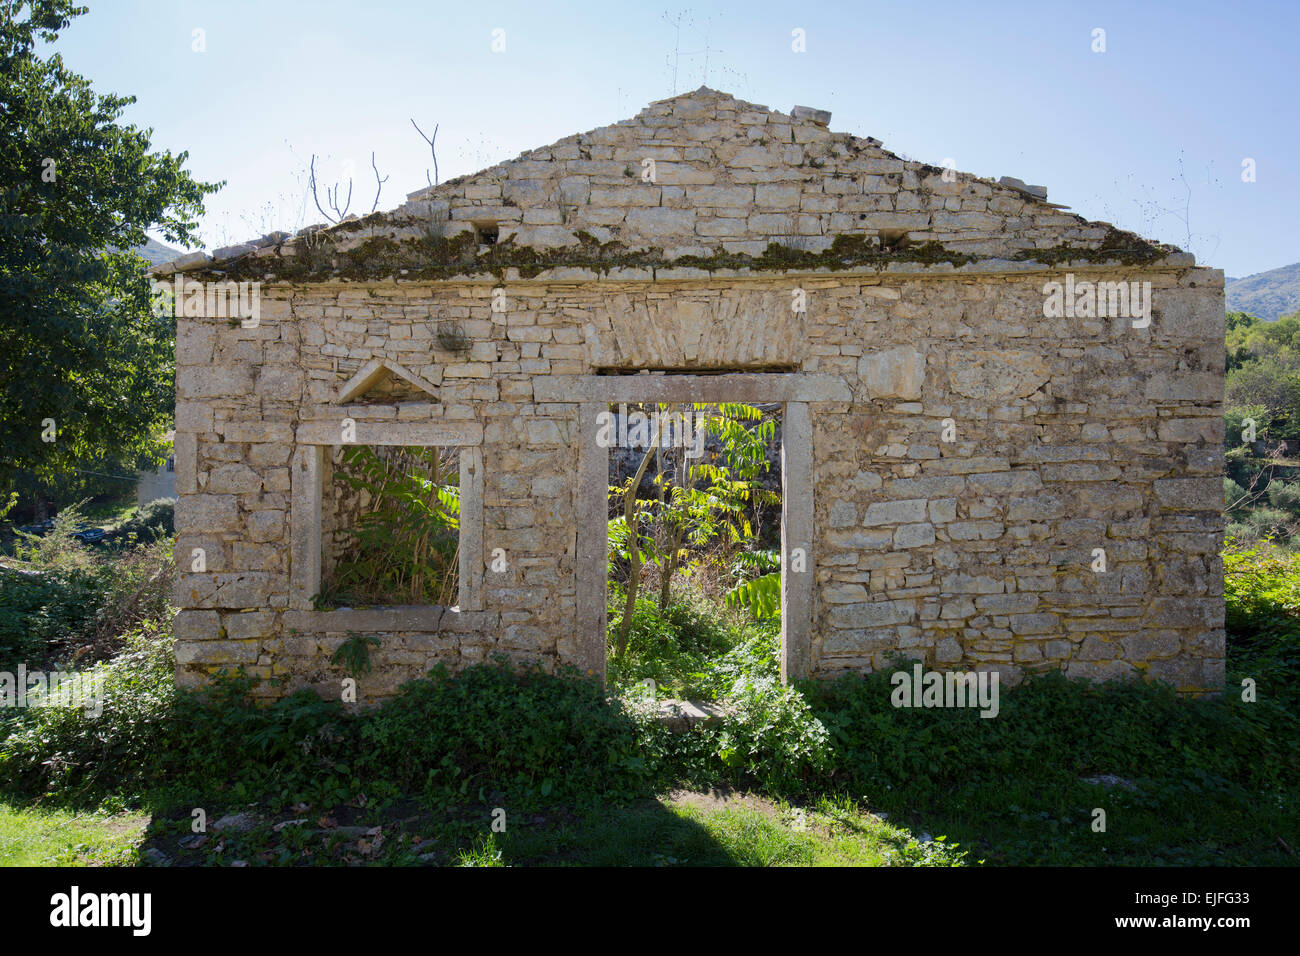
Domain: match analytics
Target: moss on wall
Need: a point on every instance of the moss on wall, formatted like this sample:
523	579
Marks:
316	257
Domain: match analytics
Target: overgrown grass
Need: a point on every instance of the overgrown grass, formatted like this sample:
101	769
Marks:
677	831
63	603
1202	781
693	649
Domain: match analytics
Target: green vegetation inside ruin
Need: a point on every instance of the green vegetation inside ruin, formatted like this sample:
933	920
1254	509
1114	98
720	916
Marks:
707	521
405	547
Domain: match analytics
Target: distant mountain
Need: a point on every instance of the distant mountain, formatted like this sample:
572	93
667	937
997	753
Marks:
1268	295
156	252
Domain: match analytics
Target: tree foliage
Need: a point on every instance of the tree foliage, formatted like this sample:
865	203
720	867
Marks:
1261	412
1263	372
86	361
701	512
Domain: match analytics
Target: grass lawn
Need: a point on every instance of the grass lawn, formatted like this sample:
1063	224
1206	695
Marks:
37	837
680	828
686	828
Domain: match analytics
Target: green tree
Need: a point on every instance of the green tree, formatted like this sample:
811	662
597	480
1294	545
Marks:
713	497
1269	383
85	361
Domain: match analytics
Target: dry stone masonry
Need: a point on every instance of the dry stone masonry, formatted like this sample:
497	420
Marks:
979	470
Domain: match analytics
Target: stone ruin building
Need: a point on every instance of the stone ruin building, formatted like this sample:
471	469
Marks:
985	400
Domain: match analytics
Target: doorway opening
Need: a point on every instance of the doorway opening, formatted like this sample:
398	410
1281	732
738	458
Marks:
695	544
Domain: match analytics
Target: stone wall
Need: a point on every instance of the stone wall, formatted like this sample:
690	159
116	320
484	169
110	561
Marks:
967	454
1070	435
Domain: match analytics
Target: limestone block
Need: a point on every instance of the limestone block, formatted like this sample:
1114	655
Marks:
874	614
659	222
249	625
231	589
218	652
233	479
897	372
914	536
196	626
997	375
207	512
843	593
895	512
1190	494
843	514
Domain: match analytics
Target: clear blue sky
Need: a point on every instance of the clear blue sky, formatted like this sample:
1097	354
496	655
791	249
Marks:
1149	135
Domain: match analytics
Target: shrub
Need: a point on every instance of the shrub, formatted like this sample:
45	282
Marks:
38	609
772	737
66	601
70	752
693	648
755	656
147	523
1232	493
1238	533
57	551
1062	727
1261	601
769	738
1285	496
493	727
1267	522
137	590
54	594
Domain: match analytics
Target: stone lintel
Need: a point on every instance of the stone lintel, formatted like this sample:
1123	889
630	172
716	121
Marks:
422	434
737	387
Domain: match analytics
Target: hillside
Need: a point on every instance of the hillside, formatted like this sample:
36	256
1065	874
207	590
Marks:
156	252
1268	295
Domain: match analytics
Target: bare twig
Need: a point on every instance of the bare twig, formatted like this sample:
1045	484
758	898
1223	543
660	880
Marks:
432	150
331	198
334	201
311	181
379	183
1252	496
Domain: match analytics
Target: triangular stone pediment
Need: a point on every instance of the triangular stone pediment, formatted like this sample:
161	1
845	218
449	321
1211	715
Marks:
374	374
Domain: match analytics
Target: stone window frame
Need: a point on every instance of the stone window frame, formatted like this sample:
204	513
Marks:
793	390
313	442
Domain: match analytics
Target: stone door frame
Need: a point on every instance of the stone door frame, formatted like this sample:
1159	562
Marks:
794	390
